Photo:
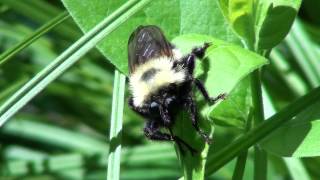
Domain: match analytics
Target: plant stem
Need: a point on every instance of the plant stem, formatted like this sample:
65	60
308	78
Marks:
260	156
258	116
240	166
261	131
242	158
116	126
260	163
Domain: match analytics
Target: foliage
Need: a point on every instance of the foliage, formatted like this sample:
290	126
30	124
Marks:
265	56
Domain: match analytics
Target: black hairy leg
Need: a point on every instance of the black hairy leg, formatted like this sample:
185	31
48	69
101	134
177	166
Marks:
204	92
164	113
196	52
152	131
194	118
189	60
200	51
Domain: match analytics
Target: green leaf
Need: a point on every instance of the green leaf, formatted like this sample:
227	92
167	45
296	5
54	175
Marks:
273	21
241	17
234	111
299	137
262	24
88	13
207	19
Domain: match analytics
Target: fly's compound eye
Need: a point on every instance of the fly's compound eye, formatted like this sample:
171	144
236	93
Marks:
169	101
154	107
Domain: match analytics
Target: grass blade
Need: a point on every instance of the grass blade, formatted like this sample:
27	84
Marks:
291	78
116	126
303	50
68	58
261	131
296	169
33	37
19	161
308	46
52	136
41	12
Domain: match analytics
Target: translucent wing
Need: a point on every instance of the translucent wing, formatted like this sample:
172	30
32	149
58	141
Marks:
145	43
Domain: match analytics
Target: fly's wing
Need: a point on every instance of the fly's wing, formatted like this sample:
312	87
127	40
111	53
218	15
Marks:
145	43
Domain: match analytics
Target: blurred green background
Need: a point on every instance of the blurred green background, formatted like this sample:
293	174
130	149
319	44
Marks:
63	132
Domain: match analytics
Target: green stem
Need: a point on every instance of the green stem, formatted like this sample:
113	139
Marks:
116	126
242	158
260	163
258	116
260	156
33	37
261	131
240	166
